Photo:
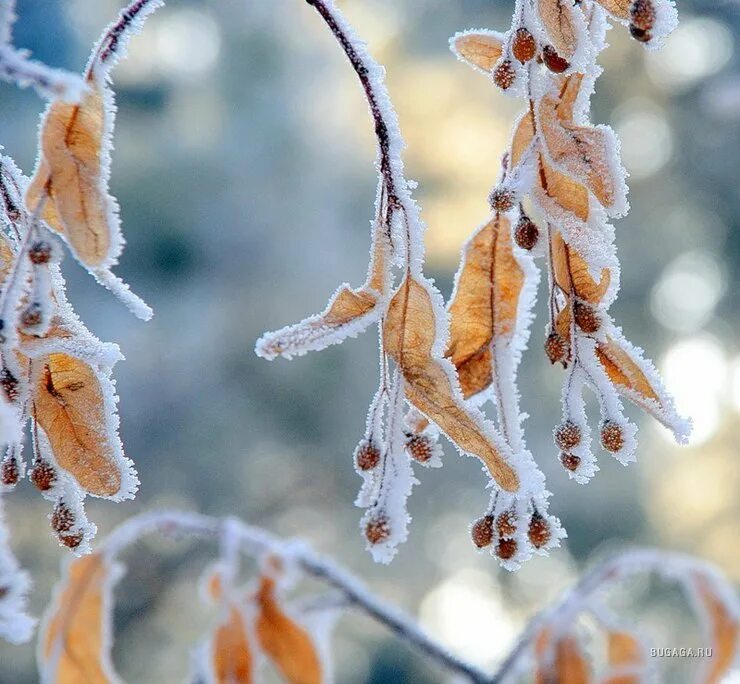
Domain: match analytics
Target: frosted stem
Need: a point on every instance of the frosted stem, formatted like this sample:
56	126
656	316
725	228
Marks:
255	541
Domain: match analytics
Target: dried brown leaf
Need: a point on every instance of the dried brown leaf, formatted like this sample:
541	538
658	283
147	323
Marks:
559	19
485	302
74	644
570	663
70	408
583	152
349	312
409	334
72	177
231	651
624	372
619	9
479	49
572	273
569	92
286	643
624	652
724	630
523	136
568	194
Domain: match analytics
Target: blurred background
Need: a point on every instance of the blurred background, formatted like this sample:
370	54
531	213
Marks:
243	166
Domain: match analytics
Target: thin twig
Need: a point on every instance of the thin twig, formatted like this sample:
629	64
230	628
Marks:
256	542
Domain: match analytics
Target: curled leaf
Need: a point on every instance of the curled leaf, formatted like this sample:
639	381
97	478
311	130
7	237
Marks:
585	153
71	179
348	313
480	49
566	194
288	645
74	644
523	137
70	407
560	20
572	273
568	97
409	336
484	304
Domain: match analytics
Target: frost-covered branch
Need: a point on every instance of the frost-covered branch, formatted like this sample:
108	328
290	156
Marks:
259	619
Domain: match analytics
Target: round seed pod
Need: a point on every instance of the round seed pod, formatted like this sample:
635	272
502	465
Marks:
642	15
553	61
640	35
9	384
10	471
556	348
420	448
587	319
526	233
567	436
506	548
377	530
506	524
43	475
502	199
524	45
40	252
71	541
504	75
570	461
62	518
539	531
482	531
367	456
612	436
31	315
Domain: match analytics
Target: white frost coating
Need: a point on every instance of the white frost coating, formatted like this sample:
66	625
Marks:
47	667
10	425
574	410
666	21
663	411
16	67
397	480
121	291
15	624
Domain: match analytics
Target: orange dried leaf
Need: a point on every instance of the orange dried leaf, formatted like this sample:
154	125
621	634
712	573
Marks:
480	49
6	257
724	630
72	178
231	651
567	194
348	313
286	643
583	152
74	643
619	9
409	335
485	302
70	408
572	272
568	97
570	663
559	19
625	373
624	654
523	137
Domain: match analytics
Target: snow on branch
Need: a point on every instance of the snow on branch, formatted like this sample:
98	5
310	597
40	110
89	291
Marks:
258	620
